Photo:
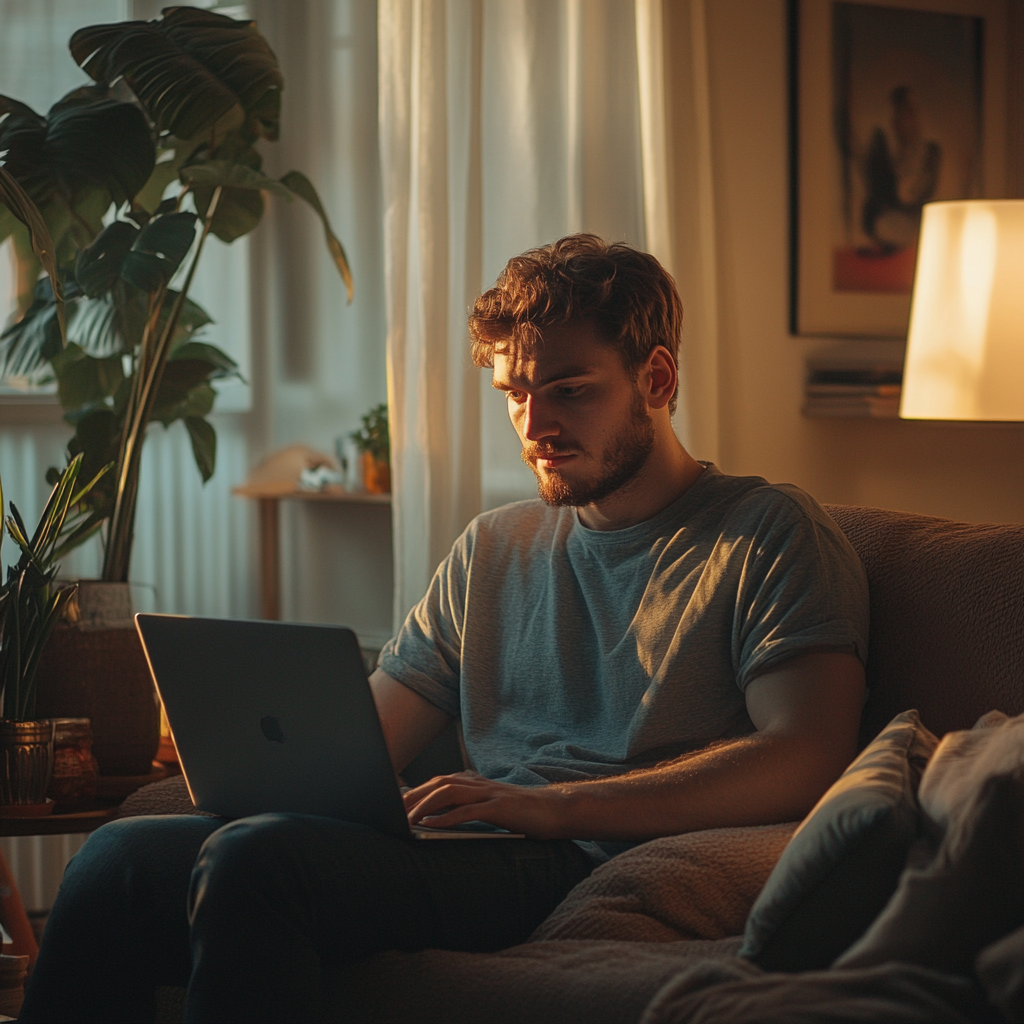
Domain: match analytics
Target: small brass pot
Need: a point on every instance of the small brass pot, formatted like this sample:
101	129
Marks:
26	761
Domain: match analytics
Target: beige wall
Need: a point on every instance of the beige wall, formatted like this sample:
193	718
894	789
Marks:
968	471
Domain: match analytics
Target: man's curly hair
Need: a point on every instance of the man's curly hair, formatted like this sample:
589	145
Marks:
626	294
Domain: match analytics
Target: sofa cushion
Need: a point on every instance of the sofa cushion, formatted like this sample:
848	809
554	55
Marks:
713	991
844	861
964	886
695	886
538	983
947	615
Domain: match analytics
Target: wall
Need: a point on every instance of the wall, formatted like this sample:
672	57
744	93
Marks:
973	472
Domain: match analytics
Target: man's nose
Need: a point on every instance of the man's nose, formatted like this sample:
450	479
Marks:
538	422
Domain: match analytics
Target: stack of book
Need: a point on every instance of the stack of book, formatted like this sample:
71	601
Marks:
858	388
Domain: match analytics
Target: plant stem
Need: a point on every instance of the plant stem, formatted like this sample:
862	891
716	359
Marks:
150	373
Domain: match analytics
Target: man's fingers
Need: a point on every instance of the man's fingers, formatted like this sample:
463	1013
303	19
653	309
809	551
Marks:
412	796
448	795
455	815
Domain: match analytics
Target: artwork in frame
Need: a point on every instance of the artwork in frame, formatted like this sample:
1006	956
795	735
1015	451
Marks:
892	105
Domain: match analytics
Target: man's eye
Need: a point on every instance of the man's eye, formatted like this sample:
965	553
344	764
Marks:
569	390
516	396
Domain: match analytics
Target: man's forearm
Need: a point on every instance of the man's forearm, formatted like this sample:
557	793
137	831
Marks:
754	780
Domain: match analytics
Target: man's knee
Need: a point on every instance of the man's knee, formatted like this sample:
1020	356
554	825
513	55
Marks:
269	854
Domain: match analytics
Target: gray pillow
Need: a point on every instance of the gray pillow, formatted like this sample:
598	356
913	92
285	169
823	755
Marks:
955	900
843	863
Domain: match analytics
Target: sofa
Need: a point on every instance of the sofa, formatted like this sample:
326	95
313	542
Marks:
900	898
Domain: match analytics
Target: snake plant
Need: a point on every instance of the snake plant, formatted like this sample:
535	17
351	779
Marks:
31	599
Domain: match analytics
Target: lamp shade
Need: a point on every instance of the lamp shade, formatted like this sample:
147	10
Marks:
965	348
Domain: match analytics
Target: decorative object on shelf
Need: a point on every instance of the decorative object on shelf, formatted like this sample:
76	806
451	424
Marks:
374	446
31	603
177	106
861	384
75	771
890	108
965	351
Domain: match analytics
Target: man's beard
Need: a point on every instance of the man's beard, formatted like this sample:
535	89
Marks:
623	459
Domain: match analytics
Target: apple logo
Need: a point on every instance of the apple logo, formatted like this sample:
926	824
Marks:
272	728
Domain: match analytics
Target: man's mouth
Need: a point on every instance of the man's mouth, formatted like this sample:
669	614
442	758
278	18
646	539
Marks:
546	457
554	461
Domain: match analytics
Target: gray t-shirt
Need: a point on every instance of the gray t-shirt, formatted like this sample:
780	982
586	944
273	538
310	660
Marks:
571	653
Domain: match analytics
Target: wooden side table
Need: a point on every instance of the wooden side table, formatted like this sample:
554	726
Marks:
268	497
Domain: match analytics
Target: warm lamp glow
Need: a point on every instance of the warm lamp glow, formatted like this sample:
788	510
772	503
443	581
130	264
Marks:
965	349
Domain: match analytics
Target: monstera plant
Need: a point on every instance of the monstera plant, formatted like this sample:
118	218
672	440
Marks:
130	176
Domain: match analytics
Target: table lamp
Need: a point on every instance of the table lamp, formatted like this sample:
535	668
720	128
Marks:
965	347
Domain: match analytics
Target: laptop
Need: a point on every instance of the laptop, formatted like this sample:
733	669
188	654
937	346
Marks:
274	716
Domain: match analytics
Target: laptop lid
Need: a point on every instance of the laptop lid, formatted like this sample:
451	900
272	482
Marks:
273	716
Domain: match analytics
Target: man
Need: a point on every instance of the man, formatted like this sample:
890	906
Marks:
655	647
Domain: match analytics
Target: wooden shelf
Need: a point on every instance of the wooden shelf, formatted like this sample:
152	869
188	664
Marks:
289	492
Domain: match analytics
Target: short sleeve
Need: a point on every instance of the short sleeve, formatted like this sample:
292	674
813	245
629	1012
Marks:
802	587
426	654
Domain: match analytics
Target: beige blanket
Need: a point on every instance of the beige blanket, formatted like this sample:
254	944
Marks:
695	886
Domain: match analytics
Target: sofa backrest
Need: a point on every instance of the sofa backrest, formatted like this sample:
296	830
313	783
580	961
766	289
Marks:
947	616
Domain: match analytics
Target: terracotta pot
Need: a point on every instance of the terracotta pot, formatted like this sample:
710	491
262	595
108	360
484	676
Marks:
90	670
376	475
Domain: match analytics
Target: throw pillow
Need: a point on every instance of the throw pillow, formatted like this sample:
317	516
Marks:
970	891
844	862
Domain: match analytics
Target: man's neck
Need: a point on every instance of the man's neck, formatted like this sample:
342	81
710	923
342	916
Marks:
667	474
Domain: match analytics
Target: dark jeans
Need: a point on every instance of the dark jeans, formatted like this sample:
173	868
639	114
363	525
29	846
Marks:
247	914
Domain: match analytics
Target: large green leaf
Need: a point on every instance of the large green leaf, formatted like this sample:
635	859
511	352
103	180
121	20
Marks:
298	184
220	363
83	381
192	70
158	251
238	211
204	445
97	327
233	175
98	266
16	200
176	401
26	345
77	148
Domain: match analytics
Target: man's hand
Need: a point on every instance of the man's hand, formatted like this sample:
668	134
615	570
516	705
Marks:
449	800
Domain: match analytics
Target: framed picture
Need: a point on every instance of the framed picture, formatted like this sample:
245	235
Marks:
892	105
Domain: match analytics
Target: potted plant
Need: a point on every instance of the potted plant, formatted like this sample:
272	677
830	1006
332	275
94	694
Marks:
374	445
165	143
167	139
31	603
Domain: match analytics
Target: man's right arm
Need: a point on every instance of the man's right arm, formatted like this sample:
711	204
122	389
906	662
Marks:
410	722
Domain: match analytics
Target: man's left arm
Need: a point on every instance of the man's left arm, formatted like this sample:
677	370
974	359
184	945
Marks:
806	712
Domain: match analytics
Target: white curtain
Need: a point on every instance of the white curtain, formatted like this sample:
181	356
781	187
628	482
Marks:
505	124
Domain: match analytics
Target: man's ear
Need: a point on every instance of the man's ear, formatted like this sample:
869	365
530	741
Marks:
661	375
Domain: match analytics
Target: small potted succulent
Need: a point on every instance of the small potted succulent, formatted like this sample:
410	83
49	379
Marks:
374	446
32	600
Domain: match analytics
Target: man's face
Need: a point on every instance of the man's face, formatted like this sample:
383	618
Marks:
583	423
